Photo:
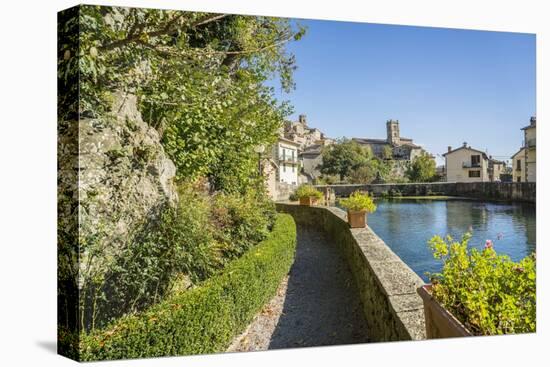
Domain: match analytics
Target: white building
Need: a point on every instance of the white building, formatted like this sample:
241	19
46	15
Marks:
286	157
466	164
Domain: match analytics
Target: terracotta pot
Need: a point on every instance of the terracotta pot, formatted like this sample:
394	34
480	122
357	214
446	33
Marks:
357	219
308	200
440	323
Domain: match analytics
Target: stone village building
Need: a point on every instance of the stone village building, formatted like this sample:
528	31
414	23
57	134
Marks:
466	164
400	149
294	158
530	144
518	166
524	168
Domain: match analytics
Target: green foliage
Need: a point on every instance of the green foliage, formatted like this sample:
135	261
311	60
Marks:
306	191
359	201
353	163
343	158
387	153
195	240
241	221
422	169
206	318
487	292
199	78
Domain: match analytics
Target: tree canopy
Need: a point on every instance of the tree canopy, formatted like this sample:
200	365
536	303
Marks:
199	78
422	169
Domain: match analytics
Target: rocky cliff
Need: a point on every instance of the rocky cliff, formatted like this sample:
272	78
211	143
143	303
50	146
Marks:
124	179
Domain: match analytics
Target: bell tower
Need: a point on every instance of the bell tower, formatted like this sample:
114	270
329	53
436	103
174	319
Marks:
392	130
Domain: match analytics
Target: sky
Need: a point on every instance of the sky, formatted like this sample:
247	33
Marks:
445	86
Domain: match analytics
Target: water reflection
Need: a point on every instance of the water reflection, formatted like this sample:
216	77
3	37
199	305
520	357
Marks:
407	225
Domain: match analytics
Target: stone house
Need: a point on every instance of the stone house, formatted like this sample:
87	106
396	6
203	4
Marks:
495	168
518	166
400	149
466	164
311	159
299	132
530	144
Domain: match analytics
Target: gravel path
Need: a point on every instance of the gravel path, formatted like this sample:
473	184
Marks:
316	304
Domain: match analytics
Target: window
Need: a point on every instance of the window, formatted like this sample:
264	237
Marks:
518	179
518	165
284	167
474	173
476	160
292	169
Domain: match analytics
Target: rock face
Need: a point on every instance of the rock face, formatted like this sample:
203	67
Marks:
125	178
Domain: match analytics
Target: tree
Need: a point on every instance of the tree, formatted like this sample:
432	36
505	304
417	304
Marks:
343	158
387	153
199	78
422	169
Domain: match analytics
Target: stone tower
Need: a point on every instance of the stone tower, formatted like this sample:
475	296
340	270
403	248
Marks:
392	129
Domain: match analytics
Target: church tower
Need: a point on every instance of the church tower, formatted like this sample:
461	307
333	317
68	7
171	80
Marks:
392	129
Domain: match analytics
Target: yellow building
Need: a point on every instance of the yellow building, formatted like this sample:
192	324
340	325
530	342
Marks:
530	132
466	164
518	166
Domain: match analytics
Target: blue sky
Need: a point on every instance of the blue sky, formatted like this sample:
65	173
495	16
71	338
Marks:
445	86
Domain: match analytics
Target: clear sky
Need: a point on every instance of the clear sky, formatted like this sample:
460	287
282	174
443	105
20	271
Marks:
445	86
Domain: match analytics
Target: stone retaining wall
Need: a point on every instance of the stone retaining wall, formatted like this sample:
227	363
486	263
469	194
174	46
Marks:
514	191
387	286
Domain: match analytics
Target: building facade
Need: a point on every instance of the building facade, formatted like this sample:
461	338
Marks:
300	133
530	144
285	156
495	169
518	166
312	158
395	147
466	164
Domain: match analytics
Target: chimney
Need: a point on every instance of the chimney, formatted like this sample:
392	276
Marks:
449	148
533	120
464	144
302	119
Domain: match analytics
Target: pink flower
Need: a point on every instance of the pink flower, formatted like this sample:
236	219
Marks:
488	244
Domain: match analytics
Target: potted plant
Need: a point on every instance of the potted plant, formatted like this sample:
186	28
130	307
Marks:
358	205
308	195
478	292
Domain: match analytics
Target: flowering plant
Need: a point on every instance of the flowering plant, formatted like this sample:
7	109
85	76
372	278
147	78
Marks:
489	293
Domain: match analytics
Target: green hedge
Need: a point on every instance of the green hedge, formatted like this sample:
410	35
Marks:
204	319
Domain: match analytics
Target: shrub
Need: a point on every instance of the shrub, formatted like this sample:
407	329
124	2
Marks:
185	245
489	293
359	201
241	221
206	318
180	241
306	190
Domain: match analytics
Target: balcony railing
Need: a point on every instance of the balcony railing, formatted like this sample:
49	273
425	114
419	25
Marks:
292	160
470	165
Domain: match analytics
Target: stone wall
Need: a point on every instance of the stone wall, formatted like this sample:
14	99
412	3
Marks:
512	191
387	286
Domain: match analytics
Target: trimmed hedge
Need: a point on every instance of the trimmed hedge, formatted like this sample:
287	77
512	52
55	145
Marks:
204	319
